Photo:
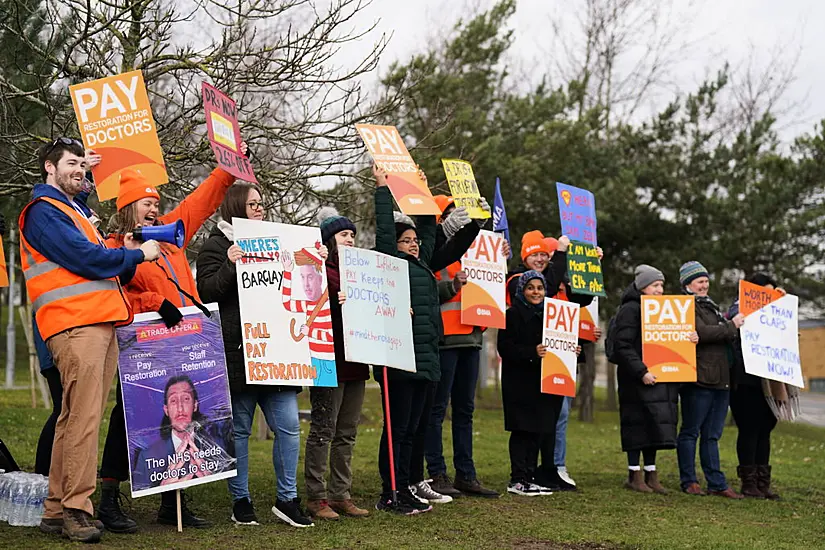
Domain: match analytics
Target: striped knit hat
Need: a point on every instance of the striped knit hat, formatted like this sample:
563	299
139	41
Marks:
690	271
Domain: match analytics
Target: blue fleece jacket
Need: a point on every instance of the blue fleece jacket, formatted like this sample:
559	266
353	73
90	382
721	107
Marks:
54	234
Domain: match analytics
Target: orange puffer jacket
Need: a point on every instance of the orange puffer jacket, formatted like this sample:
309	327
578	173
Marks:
150	285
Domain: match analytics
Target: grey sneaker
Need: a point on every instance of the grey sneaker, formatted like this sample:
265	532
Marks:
423	491
524	489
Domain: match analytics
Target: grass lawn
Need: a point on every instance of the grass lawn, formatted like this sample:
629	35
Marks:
600	515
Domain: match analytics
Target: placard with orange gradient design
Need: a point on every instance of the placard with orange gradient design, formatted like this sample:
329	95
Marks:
561	337
389	152
115	120
754	297
4	276
483	298
589	321
667	322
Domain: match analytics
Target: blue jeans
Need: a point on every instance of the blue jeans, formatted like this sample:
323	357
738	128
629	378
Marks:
703	413
459	375
280	410
560	450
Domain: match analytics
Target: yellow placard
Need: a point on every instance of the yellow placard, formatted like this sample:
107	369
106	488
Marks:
463	187
389	152
115	120
667	352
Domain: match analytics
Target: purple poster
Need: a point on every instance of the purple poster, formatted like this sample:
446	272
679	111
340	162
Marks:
176	401
577	209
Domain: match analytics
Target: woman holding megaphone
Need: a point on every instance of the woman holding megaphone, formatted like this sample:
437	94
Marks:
161	286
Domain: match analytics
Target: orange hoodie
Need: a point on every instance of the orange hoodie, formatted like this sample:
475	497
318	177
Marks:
150	286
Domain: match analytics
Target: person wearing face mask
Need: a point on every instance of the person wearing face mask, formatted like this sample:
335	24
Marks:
648	410
529	415
74	282
162	287
757	404
335	411
705	403
218	282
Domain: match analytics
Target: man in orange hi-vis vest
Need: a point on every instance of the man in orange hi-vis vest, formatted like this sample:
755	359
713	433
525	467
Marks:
74	283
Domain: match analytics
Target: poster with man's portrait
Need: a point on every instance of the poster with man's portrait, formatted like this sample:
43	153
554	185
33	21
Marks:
176	401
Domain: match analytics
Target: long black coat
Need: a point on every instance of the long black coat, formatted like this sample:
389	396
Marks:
648	414
526	408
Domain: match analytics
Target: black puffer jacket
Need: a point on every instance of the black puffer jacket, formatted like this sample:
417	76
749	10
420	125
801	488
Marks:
648	414
218	282
526	408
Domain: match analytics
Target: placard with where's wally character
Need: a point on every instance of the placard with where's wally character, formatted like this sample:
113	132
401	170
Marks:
284	302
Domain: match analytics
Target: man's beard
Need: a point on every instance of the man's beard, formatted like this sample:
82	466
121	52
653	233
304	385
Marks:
65	183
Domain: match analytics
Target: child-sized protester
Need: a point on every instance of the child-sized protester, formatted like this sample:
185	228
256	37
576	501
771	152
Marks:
529	415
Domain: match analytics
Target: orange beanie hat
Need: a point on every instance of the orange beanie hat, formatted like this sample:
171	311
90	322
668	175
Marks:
533	242
133	187
443	202
553	243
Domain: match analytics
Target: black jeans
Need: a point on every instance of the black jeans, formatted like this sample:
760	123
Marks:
115	463
755	421
407	399
524	455
43	459
547	443
420	438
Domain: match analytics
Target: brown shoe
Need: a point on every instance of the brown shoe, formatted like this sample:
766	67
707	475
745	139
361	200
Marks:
54	526
348	508
652	481
79	526
636	483
727	493
694	489
748	476
320	509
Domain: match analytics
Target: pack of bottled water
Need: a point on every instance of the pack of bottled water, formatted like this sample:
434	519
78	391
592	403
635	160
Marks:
21	498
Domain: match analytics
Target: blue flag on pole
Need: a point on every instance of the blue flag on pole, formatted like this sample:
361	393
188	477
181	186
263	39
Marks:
500	223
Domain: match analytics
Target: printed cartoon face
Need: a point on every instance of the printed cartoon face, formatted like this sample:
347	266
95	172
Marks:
312	282
180	405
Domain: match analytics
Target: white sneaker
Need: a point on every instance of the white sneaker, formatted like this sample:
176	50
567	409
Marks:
565	477
524	489
423	492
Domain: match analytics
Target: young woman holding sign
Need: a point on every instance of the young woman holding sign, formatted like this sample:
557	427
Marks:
218	282
529	415
161	286
648	411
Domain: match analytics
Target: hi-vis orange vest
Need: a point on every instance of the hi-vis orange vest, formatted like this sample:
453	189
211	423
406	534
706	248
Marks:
61	299
451	310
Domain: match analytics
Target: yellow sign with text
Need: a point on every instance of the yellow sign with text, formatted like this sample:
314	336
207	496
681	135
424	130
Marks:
463	187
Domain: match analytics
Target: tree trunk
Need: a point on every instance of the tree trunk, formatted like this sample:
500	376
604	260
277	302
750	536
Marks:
611	404
587	381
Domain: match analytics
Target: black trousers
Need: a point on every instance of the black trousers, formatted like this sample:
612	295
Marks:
633	457
420	439
524	455
407	399
755	421
547	443
43	458
115	463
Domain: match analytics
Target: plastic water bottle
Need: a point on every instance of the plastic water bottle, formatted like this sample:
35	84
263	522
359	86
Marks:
41	491
4	497
16	517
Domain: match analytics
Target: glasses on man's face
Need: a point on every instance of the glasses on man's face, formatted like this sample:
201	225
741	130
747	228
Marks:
408	241
255	205
64	141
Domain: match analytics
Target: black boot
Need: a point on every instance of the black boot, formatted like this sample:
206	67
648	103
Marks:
168	514
749	481
763	482
109	511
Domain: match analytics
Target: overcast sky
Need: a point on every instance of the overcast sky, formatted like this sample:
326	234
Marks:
713	30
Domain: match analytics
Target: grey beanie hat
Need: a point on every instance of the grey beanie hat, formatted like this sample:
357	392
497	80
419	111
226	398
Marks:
647	275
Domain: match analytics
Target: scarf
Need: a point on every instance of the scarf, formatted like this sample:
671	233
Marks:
525	278
783	399
708	302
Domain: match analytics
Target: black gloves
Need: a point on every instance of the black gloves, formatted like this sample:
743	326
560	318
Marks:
170	314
